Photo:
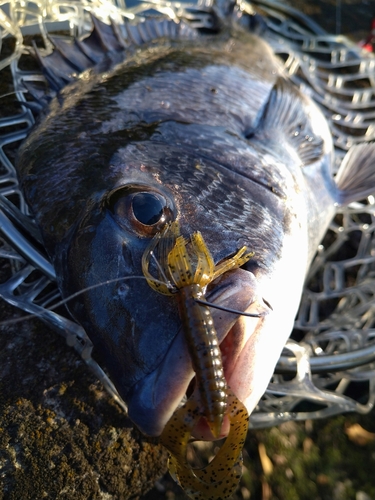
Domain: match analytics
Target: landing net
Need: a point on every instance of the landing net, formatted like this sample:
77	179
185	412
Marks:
328	364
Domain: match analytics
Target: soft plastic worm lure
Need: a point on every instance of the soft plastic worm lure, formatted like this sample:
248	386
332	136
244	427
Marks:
187	273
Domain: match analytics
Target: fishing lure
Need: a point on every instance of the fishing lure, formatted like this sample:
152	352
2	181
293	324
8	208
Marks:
186	271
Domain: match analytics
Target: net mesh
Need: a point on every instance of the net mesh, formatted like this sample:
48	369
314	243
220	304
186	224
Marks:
328	364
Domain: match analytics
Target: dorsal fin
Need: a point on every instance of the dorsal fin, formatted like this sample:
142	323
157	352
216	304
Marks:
41	97
75	58
68	59
57	71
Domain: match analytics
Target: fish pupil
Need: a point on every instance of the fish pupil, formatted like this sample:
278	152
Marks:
147	208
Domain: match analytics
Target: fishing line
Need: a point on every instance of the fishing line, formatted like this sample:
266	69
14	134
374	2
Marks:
73	296
125	278
166	282
171	287
228	309
15	92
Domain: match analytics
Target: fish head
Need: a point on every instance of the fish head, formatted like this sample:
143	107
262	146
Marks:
137	332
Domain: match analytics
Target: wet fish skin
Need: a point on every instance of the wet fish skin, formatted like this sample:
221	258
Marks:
212	127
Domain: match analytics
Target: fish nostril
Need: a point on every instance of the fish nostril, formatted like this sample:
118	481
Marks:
122	290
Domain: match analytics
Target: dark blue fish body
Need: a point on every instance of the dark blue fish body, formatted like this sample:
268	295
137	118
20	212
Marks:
205	130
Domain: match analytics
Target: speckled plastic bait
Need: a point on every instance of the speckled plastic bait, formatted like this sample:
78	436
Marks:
221	476
188	272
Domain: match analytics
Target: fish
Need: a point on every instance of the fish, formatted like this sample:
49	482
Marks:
157	122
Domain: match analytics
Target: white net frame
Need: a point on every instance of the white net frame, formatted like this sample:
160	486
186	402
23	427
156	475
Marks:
328	365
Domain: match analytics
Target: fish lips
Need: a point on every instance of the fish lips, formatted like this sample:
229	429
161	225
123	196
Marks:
153	400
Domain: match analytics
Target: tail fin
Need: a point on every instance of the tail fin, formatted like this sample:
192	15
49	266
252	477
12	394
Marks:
355	179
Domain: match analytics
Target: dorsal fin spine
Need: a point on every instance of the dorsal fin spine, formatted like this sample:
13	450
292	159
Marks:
61	67
118	34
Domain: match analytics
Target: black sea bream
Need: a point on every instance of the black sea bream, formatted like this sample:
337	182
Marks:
171	124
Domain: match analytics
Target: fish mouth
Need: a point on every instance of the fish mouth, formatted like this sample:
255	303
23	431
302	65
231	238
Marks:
154	399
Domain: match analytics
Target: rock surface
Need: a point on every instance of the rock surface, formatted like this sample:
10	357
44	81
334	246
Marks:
61	435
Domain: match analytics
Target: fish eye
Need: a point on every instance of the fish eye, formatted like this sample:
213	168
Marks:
145	211
148	208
